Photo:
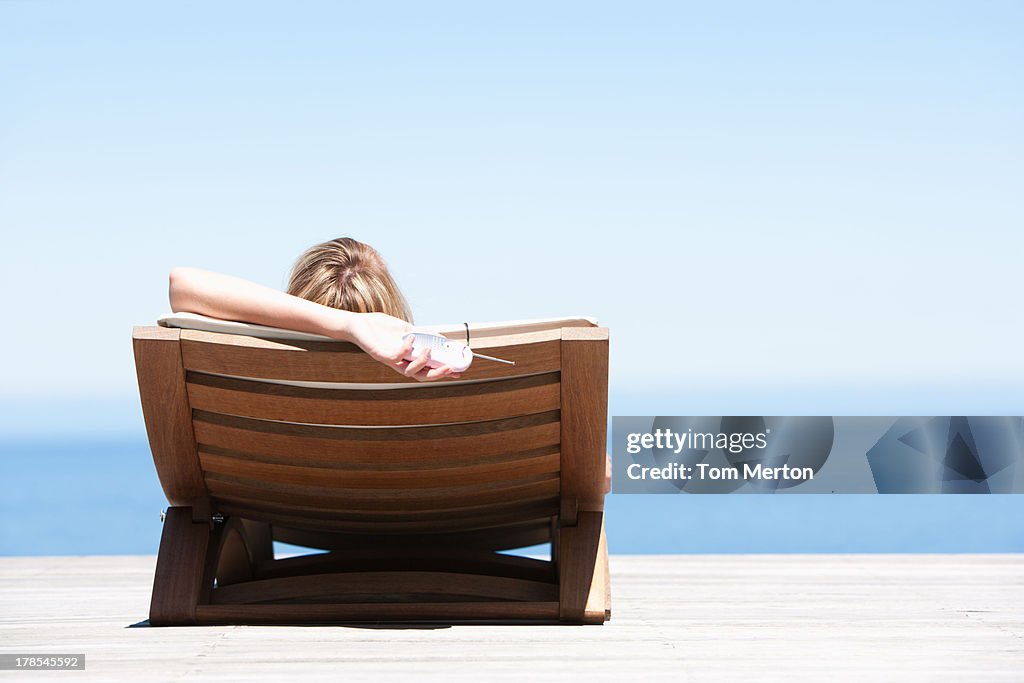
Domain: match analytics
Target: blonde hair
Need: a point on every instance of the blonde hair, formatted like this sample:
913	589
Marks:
347	274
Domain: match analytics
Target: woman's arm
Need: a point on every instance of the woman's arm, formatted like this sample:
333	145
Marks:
231	298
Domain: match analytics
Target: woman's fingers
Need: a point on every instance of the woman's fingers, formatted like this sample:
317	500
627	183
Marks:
418	370
406	348
436	373
416	365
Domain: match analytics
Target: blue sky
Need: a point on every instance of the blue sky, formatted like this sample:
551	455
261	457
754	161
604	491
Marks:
777	208
748	194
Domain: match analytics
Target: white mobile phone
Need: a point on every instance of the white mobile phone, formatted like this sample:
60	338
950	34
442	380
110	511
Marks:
445	351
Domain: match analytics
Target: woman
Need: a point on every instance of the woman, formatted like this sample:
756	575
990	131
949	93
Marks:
340	289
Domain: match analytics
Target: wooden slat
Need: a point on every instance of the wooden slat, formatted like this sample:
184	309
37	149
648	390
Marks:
423	404
166	411
228	354
414	435
584	416
517	535
375	612
224	489
386	583
385	465
461	560
378	479
256	509
424	526
315	445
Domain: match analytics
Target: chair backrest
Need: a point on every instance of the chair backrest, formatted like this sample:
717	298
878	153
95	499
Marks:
316	435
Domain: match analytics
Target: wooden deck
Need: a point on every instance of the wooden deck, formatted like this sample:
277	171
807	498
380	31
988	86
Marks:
846	617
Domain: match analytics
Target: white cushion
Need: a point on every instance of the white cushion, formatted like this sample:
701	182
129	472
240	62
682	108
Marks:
194	321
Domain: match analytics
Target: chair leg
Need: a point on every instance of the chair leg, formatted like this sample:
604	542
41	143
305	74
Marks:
606	576
259	539
584	587
180	581
193	553
232	554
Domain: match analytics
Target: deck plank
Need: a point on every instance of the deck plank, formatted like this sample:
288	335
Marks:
703	617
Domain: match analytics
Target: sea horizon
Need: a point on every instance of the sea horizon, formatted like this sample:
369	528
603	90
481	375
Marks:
88	487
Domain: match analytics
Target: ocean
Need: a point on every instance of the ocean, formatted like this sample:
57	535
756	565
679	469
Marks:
97	495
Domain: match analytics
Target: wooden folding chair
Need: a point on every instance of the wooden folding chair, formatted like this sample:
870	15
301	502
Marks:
412	488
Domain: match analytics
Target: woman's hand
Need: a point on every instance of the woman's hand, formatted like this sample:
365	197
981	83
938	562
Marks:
380	335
